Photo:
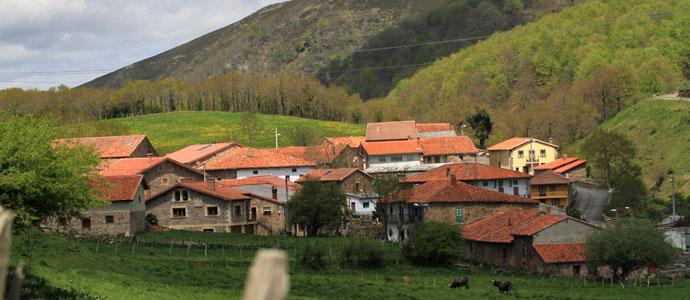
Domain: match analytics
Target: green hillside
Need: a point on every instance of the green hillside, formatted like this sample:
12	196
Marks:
560	76
661	131
169	132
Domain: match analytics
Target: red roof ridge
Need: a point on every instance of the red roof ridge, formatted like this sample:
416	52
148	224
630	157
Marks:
225	193
517	141
556	163
484	172
458	192
561	253
122	187
114	148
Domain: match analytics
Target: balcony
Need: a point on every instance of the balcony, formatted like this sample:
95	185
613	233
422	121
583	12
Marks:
549	195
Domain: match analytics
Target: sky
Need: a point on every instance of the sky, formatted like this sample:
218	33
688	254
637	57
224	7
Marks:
45	43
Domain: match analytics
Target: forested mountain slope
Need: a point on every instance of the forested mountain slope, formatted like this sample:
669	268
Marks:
560	76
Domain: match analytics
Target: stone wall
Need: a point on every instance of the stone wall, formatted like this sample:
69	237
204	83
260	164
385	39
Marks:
445	212
565	232
578	173
143	150
94	223
267	224
221	175
166	174
199	164
366	184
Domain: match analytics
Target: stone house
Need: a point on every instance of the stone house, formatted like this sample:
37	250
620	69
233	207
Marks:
431	130
113	147
448	149
352	141
573	168
249	162
522	154
196	156
159	172
530	239
391	152
212	207
355	184
123	216
325	156
550	188
479	175
391	131
448	201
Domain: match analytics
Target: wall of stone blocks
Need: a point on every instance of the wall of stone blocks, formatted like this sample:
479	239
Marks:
445	212
167	174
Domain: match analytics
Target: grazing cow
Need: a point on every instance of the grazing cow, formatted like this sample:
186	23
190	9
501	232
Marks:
458	282
407	280
503	286
388	279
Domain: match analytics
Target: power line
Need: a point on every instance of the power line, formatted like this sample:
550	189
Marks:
51	82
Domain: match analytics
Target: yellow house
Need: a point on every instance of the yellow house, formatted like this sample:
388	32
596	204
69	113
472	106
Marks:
550	188
522	154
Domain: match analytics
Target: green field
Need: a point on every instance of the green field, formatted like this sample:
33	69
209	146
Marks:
169	132
75	269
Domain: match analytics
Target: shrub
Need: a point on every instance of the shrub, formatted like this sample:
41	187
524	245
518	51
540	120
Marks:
363	253
313	256
151	220
434	243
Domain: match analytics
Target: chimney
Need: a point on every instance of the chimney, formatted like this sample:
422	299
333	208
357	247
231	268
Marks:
565	156
448	172
550	140
274	192
211	184
149	156
467	170
608	223
453	180
249	152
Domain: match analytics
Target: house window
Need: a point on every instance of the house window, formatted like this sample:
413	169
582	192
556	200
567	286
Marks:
437	159
458	214
159	168
517	169
505	253
165	181
391	209
267	210
521	154
396	158
515	182
179	212
294	170
185	195
169	167
543	153
209	230
357	187
212	210
542	190
365	204
109	219
238	210
485	183
177	195
219	179
62	221
500	183
500	190
556	202
576	269
86	223
139	198
552	188
516	191
382	159
255	172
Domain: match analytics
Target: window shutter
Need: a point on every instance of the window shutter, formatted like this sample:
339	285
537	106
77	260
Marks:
458	214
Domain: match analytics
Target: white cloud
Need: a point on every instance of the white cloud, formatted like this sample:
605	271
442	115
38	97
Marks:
55	35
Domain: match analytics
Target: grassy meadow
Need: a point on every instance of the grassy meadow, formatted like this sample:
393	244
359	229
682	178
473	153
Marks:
76	270
172	131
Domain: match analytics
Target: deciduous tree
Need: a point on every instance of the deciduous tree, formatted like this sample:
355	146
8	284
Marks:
252	125
315	206
481	124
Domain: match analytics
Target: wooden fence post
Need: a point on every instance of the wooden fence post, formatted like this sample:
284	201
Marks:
98	243
134	244
268	277
116	243
5	240
189	246
205	250
241	259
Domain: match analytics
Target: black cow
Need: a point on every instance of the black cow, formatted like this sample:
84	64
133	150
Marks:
458	282
503	286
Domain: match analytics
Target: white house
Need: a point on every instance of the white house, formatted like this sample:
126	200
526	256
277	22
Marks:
249	162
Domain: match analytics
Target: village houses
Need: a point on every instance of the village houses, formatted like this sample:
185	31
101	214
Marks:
572	168
522	154
113	147
248	162
159	172
355	184
550	188
198	155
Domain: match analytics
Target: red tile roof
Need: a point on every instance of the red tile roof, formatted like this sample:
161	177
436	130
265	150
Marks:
197	152
434	127
516	141
502	227
388	131
316	155
556	163
561	253
352	141
571	166
392	147
263	179
549	177
331	174
484	172
448	192
108	146
220	191
134	166
448	145
122	188
252	158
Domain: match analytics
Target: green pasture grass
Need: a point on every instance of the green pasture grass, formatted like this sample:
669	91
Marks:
172	131
158	274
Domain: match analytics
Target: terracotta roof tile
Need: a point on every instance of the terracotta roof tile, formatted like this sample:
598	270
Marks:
220	191
549	177
352	141
448	192
263	179
134	166
465	172
561	253
388	131
392	147
433	127
571	166
330	174
108	146
502	227
556	163
122	188
514	142
252	158
448	145
316	155
196	152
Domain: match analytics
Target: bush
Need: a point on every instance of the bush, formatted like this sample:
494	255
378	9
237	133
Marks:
151	220
363	253
434	243
313	256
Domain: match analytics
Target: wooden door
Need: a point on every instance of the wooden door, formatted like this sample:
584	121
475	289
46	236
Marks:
353	205
236	229
249	229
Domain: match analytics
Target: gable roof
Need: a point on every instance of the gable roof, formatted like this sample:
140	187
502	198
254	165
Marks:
434	127
571	166
517	141
219	191
197	152
458	192
122	188
109	146
392	147
465	172
331	174
252	158
549	177
316	155
556	163
561	253
389	131
352	141
447	145
502	227
262	179
134	166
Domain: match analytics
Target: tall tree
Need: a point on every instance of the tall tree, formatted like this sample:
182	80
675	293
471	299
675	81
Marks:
481	124
315	206
608	151
252	125
39	181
